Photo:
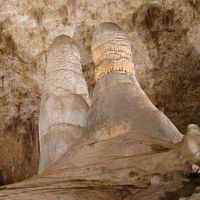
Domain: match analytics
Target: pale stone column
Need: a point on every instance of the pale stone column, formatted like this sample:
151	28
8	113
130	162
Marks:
64	104
119	104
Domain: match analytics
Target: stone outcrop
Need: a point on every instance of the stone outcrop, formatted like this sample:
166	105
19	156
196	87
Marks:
131	166
110	164
164	37
119	104
64	104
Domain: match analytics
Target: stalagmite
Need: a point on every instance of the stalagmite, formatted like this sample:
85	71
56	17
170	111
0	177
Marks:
141	164
119	104
64	103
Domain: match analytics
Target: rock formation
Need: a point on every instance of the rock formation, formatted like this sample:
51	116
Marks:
64	103
165	42
111	164
119	104
131	166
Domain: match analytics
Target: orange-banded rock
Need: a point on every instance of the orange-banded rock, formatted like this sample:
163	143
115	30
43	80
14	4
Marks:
64	103
119	104
111	51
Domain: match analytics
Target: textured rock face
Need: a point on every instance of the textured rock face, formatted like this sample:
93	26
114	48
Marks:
64	107
165	43
119	104
111	51
130	166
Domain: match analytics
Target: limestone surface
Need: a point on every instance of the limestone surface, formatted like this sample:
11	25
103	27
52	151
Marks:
119	104
165	44
131	166
64	104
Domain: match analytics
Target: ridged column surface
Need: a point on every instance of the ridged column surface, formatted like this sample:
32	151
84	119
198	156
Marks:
64	103
119	104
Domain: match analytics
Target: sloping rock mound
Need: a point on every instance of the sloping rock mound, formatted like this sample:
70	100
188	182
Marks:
165	48
124	167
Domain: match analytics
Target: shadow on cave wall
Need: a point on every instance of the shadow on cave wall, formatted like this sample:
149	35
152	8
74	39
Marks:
176	63
19	145
83	37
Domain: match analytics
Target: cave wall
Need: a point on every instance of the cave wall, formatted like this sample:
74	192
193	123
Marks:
165	42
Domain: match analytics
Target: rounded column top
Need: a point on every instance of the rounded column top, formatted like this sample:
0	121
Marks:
63	70
111	50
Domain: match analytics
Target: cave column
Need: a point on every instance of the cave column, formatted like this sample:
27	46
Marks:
119	104
64	103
